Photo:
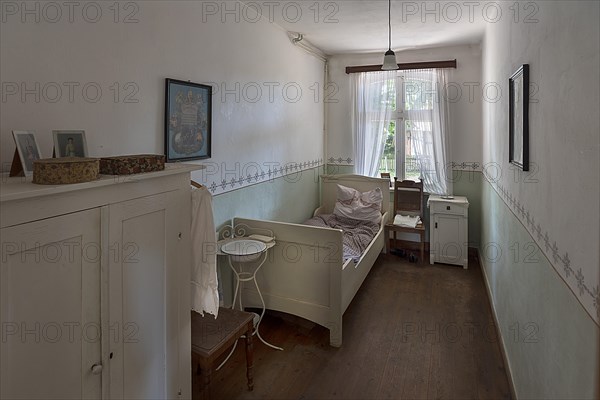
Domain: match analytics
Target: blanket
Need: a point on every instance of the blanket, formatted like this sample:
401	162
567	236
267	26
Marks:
357	234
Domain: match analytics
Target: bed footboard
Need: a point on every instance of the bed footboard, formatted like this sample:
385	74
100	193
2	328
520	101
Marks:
302	274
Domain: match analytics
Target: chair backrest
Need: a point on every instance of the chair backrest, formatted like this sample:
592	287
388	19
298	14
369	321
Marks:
408	197
386	175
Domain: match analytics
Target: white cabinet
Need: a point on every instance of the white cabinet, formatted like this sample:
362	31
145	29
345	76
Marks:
50	307
143	296
448	223
94	288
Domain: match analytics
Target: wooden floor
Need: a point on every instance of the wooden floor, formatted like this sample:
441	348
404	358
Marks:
411	332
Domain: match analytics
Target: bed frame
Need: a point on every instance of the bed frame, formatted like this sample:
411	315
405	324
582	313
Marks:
304	274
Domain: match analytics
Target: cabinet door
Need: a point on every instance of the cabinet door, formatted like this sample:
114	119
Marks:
449	233
143	300
50	280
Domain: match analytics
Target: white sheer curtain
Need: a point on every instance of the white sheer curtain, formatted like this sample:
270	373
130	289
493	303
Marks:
373	96
427	127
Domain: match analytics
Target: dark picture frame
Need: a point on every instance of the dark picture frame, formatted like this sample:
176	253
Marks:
188	121
518	140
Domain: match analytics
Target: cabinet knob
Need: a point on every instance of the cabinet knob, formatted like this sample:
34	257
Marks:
97	369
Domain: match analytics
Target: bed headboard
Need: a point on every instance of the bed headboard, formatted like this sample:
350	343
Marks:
361	183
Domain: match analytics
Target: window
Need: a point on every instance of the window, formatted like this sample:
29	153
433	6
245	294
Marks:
400	126
408	132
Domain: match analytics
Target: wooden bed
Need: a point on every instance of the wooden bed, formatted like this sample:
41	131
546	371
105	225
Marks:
304	273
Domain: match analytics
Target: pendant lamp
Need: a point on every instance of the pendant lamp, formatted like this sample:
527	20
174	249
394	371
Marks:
389	61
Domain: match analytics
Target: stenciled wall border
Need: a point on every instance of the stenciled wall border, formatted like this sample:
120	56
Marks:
463	166
347	160
220	180
574	277
466	166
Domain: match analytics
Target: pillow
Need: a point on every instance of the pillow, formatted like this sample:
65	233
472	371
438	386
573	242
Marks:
353	204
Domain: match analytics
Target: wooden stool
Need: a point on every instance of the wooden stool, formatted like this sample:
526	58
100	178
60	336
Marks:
212	337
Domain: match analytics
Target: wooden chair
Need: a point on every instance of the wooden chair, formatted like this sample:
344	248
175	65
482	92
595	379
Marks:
386	175
212	337
408	200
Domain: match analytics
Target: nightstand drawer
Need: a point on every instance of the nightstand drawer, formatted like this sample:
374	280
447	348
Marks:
449	208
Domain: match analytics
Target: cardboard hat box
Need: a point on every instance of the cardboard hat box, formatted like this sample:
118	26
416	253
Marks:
132	164
65	170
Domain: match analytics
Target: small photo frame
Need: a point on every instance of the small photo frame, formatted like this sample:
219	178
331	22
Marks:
70	144
518	92
27	150
188	121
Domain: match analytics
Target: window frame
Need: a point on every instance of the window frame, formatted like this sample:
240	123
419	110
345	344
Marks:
399	118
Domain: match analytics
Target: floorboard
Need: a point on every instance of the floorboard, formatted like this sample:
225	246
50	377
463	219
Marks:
411	332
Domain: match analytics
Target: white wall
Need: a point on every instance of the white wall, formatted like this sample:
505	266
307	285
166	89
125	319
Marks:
252	131
465	110
562	189
545	222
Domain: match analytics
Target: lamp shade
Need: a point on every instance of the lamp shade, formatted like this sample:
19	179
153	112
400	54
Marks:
389	61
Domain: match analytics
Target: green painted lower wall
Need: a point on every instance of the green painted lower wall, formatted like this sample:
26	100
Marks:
333	169
292	198
551	343
468	184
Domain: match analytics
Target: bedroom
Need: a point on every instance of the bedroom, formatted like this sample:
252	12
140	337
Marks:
100	67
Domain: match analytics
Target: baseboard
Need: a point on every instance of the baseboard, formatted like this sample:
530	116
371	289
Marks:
508	369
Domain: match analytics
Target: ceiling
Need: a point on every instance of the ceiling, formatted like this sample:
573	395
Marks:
360	26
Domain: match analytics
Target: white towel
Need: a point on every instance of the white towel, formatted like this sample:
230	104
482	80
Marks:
262	238
205	295
407	220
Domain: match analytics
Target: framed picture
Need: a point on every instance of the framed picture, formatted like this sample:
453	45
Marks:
70	144
188	115
27	149
518	89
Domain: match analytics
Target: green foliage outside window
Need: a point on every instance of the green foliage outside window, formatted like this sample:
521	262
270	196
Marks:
418	95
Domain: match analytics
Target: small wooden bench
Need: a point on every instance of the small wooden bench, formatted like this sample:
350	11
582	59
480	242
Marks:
212	337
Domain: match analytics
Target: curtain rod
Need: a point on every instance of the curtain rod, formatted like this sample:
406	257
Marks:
413	65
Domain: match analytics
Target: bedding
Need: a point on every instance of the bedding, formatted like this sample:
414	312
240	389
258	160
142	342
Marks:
351	203
357	234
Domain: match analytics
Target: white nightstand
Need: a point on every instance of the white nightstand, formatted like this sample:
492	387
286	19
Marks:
448	234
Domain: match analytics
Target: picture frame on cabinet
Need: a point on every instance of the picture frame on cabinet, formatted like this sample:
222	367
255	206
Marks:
69	143
188	121
518	89
26	153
